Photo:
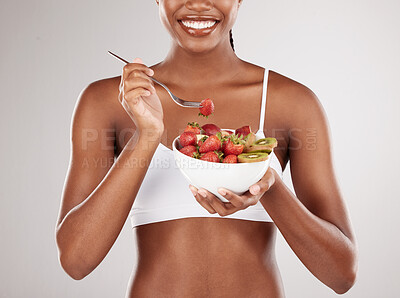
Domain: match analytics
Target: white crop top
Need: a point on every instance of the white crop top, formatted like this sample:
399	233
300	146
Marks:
165	195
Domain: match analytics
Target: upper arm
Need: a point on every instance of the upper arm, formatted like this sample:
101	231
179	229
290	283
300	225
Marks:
311	161
92	147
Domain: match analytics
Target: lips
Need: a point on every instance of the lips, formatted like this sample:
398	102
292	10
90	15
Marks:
198	25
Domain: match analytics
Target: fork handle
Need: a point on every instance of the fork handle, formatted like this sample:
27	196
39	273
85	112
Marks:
159	83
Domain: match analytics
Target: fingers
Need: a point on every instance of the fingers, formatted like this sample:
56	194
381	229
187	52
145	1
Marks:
137	65
232	198
136	71
201	200
138	82
138	60
240	202
132	96
214	205
135	82
223	209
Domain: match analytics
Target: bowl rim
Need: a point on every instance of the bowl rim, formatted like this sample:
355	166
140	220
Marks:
228	164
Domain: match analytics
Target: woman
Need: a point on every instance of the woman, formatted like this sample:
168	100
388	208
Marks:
201	247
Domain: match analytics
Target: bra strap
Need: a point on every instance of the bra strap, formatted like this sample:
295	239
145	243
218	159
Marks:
263	101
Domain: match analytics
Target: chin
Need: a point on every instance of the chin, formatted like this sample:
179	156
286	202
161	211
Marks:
199	50
198	47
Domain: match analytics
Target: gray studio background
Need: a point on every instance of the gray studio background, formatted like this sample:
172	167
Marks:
345	51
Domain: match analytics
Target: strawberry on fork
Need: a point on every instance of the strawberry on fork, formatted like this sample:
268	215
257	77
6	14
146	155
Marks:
207	107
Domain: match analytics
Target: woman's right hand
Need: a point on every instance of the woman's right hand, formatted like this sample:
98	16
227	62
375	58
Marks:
140	100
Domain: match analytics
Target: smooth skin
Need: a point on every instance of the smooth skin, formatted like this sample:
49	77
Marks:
116	128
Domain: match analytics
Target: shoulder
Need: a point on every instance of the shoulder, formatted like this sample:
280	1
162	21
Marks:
297	103
101	90
98	100
292	91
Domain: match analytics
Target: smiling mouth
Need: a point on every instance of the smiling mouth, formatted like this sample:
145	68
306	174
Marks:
198	27
198	24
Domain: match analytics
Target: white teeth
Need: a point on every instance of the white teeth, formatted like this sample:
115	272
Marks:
198	24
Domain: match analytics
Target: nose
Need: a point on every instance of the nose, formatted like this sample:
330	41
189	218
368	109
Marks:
199	5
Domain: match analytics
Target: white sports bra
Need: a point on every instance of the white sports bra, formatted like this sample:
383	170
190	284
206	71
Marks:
165	195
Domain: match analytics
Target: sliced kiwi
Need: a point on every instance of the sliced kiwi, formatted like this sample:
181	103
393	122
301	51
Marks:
250	139
252	157
264	144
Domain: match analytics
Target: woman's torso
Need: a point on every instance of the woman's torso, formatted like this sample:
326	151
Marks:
209	257
206	257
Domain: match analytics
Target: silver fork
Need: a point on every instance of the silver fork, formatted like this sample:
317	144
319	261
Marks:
176	99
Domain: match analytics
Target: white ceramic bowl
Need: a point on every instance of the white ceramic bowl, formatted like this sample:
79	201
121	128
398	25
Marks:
237	177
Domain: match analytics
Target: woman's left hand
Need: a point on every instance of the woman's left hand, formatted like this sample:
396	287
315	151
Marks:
214	205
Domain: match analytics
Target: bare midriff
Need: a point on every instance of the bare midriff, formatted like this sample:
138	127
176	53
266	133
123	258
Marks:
206	257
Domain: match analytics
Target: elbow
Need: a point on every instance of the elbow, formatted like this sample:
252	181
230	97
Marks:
75	271
70	262
346	282
344	286
348	274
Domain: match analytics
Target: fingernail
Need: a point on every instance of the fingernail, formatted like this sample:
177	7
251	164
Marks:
203	193
222	192
151	72
193	190
255	189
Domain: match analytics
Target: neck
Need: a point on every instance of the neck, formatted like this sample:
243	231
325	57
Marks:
216	64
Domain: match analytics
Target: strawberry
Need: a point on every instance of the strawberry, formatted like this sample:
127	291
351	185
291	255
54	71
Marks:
187	138
210	156
189	150
244	130
193	127
201	141
231	148
232	158
211	144
207	107
210	129
220	155
224	141
234	145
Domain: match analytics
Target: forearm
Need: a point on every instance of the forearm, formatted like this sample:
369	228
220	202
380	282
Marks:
321	246
89	230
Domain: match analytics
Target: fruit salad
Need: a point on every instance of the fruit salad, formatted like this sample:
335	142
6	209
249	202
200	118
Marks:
210	143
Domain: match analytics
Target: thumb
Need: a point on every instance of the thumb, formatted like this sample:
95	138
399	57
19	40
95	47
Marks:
263	185
255	189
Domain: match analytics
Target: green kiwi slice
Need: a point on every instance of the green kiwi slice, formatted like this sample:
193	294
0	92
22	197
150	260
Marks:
263	144
253	157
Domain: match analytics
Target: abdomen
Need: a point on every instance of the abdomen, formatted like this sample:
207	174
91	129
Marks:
206	257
